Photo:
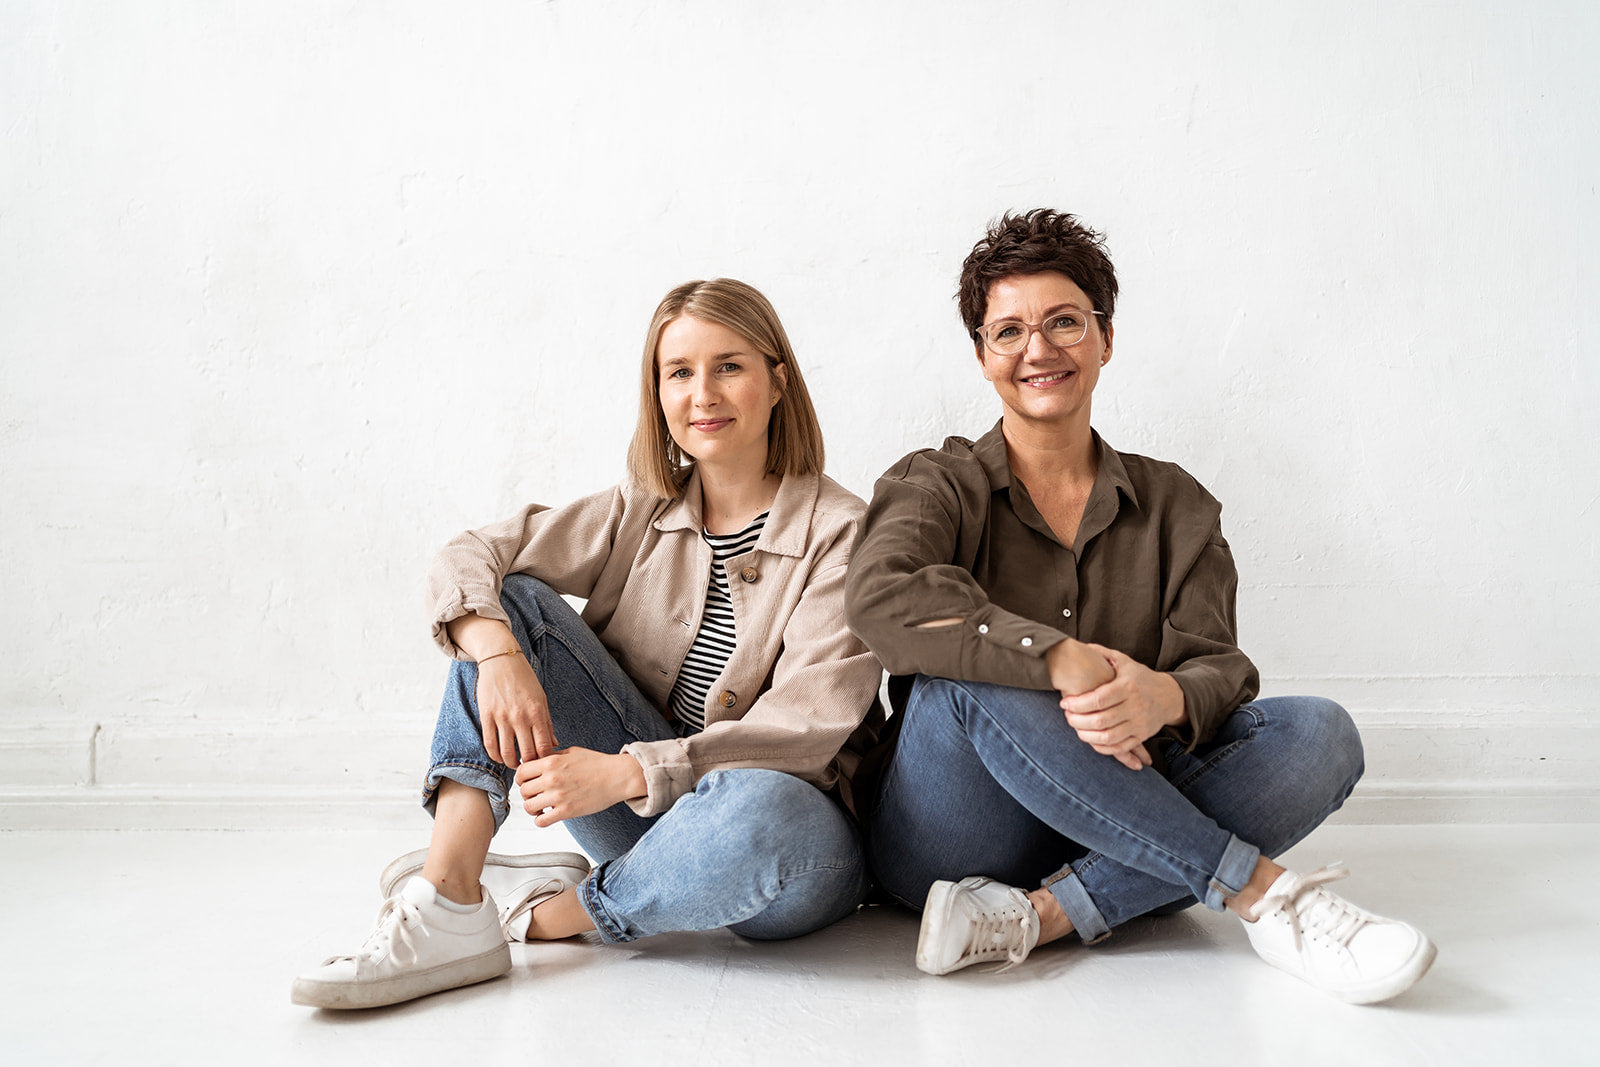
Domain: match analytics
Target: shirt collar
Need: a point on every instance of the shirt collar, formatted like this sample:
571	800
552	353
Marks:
1112	474
788	523
1111	478
991	452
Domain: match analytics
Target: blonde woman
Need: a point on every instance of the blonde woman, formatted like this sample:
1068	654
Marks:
694	728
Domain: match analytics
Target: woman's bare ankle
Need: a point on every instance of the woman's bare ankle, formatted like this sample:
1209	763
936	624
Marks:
463	824
1053	922
1261	880
453	886
559	917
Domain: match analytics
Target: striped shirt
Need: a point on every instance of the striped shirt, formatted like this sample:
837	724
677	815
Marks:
713	645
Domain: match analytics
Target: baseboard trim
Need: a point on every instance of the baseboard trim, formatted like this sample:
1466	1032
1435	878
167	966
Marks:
1428	804
1423	766
122	808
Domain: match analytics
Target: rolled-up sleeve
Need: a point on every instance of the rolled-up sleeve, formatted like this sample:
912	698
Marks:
566	548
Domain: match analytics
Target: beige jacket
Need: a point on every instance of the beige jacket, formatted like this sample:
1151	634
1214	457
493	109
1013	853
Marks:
800	692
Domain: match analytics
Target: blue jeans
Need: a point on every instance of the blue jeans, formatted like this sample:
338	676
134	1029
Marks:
989	779
758	851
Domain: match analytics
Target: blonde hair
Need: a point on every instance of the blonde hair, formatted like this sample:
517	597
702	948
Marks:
794	437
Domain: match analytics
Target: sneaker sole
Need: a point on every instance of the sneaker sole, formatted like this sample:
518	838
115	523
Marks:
402	987
395	875
935	913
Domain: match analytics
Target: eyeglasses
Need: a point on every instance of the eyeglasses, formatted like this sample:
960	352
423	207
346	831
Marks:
1063	329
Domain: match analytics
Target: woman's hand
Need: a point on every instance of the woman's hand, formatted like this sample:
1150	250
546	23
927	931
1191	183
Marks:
511	703
1117	718
1076	667
514	712
577	781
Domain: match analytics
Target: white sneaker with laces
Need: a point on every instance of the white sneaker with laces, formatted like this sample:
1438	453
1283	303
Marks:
518	882
1341	949
975	920
416	947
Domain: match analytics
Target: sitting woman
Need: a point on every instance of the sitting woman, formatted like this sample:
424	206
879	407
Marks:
1074	715
695	728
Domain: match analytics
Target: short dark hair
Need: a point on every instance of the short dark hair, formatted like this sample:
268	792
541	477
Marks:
1031	243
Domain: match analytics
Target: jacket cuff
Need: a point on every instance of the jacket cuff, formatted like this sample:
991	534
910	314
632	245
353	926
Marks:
668	775
454	605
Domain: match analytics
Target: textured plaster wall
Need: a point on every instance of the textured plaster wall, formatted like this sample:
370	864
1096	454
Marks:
290	292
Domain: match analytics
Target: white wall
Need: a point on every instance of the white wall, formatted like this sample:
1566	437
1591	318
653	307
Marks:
292	291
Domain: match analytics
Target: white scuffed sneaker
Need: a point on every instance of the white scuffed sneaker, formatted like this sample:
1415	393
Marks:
1341	949
518	882
416	947
975	920
517	914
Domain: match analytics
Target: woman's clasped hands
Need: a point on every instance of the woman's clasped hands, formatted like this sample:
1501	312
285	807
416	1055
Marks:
1118	715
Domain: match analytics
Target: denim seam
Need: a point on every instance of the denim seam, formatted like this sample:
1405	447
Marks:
470	765
499	803
1072	799
618	705
1073	896
476	765
488	769
785	880
1221	755
605	925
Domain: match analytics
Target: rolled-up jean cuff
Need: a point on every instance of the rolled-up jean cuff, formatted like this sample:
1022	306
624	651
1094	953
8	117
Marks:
1069	892
604	925
1237	865
483	776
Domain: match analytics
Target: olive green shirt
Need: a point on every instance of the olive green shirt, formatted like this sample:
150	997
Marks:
951	533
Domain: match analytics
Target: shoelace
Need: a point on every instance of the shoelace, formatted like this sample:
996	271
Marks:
1321	912
991	931
390	934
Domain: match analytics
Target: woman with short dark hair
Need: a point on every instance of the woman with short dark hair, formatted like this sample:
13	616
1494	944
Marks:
1078	739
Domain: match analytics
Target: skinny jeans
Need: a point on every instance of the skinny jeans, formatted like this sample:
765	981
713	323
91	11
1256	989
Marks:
991	780
758	851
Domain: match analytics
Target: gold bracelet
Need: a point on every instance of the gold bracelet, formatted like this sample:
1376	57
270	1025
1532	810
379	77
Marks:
502	652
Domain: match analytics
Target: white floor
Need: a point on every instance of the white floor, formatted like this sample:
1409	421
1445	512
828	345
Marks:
179	947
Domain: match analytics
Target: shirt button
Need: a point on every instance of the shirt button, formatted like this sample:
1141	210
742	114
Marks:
750	574
728	699
1066	613
1027	642
983	627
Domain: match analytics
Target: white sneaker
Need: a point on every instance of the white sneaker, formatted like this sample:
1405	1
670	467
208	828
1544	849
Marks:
1341	949
417	947
975	920
518	882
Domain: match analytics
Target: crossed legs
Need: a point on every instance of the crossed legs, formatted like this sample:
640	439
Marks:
759	851
989	779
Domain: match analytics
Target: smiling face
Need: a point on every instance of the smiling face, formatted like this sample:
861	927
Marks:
716	393
1044	383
